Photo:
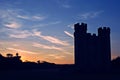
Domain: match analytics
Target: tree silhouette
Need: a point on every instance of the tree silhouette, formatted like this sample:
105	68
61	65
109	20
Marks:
9	55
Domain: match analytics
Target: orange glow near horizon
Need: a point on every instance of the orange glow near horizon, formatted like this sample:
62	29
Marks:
34	52
41	57
28	53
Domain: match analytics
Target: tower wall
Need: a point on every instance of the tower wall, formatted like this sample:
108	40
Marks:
80	44
104	46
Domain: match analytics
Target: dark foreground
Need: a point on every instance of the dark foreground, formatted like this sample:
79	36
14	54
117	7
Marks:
55	75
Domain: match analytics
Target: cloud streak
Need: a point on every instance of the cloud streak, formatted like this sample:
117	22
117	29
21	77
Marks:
89	15
14	19
64	3
20	34
50	47
69	34
54	40
38	45
56	56
35	33
31	17
9	20
22	51
12	25
47	24
22	17
50	39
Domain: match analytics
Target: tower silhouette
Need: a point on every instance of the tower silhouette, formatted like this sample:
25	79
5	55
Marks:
92	51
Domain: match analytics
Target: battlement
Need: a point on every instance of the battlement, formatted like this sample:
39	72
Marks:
103	31
81	28
104	28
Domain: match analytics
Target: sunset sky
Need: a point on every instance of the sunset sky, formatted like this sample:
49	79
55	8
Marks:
43	29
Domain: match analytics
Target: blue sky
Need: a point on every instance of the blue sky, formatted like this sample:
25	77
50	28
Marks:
43	29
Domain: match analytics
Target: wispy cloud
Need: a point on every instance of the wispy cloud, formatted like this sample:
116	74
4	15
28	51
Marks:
22	51
69	34
50	38
63	3
46	46
38	17
54	40
31	17
22	17
20	13
51	47
16	18
89	15
35	33
47	24
12	25
56	56
20	34
9	20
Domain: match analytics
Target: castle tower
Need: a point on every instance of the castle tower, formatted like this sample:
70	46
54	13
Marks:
92	51
80	44
104	46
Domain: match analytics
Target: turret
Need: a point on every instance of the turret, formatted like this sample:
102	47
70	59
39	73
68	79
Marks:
105	31
104	46
82	29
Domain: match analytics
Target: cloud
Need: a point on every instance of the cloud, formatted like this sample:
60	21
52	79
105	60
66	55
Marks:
31	17
46	46
50	38
22	17
54	40
16	18
12	25
20	34
35	33
89	15
51	47
38	17
47	24
9	20
19	13
69	34
63	3
56	56
22	51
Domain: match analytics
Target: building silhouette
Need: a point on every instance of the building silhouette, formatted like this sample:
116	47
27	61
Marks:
92	51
